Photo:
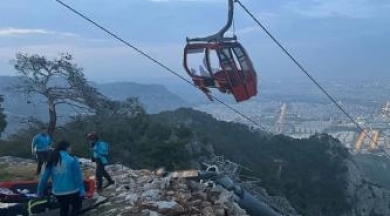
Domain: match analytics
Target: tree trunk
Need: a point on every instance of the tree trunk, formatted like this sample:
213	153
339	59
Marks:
52	118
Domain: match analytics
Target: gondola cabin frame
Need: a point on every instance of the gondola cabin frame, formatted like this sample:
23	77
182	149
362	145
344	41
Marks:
235	73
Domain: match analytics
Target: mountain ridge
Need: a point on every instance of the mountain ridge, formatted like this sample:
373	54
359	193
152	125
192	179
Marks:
19	109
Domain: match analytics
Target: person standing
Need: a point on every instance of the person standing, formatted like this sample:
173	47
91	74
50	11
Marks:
100	157
40	146
67	180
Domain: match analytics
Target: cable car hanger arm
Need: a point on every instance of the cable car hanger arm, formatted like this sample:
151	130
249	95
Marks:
219	36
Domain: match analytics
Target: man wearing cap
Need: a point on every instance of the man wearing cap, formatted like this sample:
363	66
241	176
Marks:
40	146
100	157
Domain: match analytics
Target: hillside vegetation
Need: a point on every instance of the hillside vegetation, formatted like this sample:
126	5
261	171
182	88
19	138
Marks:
375	168
308	172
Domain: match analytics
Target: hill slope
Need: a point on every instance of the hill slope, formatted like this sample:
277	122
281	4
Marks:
155	98
317	175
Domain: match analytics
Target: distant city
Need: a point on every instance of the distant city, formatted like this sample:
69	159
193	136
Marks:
290	107
301	115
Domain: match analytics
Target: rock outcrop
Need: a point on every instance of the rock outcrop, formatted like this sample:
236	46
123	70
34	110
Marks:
143	192
151	193
365	198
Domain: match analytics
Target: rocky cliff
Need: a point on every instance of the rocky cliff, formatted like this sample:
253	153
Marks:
365	198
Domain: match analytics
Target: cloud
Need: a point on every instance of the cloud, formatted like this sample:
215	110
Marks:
4	32
334	8
106	61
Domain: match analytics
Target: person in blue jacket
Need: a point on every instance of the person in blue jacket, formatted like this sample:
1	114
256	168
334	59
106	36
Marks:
100	157
67	180
41	145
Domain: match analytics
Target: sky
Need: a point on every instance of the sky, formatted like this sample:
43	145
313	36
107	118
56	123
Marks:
333	39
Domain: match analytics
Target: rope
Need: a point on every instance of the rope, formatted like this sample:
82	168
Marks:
155	61
213	97
306	72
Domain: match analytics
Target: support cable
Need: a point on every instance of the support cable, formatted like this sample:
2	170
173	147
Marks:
307	73
156	62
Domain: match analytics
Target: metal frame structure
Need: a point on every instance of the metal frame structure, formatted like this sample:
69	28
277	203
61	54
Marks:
236	74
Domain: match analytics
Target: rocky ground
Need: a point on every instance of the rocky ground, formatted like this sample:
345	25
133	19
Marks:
153	193
145	192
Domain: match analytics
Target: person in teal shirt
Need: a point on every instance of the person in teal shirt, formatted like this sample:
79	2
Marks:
67	180
40	146
100	157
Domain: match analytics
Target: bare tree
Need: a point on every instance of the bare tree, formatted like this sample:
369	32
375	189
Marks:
58	80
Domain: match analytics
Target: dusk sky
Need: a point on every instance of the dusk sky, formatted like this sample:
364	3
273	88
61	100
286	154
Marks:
331	38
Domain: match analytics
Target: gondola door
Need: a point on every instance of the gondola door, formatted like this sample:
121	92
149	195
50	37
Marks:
247	71
232	73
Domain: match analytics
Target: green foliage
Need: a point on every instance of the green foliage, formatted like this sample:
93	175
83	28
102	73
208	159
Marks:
19	144
3	123
375	168
17	172
135	141
310	173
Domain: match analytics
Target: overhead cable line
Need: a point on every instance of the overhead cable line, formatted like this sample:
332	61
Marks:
306	72
155	61
215	98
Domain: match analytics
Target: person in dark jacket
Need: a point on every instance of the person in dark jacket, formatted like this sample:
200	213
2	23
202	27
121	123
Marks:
100	157
67	180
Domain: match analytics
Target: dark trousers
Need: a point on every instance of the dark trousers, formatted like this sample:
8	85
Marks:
100	173
67	201
42	158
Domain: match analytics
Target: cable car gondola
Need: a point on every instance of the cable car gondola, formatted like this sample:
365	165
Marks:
224	64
